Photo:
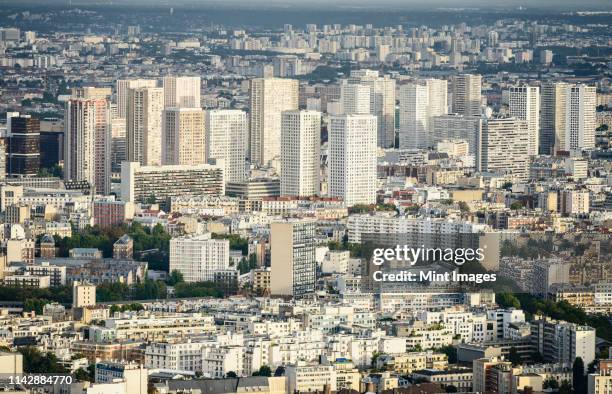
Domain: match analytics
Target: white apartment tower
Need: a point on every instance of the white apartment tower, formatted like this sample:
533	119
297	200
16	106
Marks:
300	153
420	102
524	104
183	136
144	125
382	102
226	135
580	121
352	158
458	127
199	257
355	98
504	147
552	117
466	94
87	142
269	97
293	266
122	88
183	92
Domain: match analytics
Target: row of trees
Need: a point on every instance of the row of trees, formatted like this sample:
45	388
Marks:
557	310
150	245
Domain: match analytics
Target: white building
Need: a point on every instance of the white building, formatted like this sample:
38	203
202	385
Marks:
382	102
420	102
466	94
580	121
134	375
87	142
300	153
524	104
458	127
352	158
226	138
355	98
199	257
144	125
269	97
122	88
303	377
182	92
504	147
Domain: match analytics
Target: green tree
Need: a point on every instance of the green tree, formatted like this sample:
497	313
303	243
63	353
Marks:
264	370
514	357
516	205
175	277
36	362
578	378
231	374
81	375
550	383
451	353
565	388
451	389
34	304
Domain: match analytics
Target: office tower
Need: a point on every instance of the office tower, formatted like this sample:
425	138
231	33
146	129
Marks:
580	121
226	135
183	136
355	98
352	158
458	127
382	102
420	102
87	143
123	86
293	266
182	92
552	117
51	147
269	97
466	94
300	153
254	188
198	257
159	183
23	146
504	147
118	143
524	104
144	125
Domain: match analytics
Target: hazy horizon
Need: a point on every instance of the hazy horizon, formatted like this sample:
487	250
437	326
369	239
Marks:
343	4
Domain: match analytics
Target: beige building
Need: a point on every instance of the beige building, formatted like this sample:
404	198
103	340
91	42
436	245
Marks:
601	382
292	246
552	117
11	363
83	295
183	136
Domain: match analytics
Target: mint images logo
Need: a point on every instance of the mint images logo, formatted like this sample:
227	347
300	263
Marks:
410	255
